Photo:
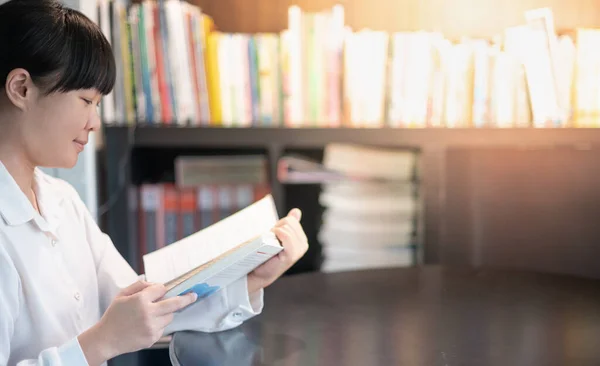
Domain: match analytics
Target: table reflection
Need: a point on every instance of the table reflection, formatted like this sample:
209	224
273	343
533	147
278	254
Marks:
227	348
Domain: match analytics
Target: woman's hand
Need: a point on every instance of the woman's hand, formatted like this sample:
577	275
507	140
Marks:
295	244
133	321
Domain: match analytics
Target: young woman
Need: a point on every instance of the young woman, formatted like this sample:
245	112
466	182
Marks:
66	295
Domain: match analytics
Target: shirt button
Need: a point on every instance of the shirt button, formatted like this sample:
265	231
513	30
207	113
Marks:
237	314
77	296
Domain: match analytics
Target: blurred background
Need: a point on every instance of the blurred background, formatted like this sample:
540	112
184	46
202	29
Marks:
460	132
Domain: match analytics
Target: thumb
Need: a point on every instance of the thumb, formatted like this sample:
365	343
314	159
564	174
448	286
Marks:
296	213
134	288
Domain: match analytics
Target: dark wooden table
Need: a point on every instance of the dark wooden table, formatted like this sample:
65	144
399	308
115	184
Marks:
434	316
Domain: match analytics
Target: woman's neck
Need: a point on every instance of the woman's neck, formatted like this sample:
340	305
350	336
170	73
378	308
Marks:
20	168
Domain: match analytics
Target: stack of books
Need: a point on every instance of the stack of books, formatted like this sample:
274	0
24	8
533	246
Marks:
371	220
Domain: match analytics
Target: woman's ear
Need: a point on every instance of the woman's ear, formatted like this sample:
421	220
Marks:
19	88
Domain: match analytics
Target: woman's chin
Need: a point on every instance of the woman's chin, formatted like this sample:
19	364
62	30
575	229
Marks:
71	164
64	163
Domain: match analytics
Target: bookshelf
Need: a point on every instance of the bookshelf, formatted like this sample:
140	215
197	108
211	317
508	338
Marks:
461	168
454	20
432	145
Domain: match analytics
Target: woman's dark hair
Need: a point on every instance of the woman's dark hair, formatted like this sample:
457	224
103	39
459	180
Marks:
61	48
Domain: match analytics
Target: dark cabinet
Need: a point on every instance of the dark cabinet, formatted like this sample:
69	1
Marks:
535	209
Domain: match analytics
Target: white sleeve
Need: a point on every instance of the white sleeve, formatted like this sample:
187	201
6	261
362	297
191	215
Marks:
69	354
223	310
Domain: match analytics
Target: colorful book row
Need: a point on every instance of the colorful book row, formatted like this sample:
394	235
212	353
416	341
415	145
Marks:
176	67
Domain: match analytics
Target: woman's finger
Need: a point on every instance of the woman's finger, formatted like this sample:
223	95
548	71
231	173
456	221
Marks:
163	321
296	213
284	234
154	292
134	288
173	304
298	230
294	226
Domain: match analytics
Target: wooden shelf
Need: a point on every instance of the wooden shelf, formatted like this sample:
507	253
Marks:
456	18
259	137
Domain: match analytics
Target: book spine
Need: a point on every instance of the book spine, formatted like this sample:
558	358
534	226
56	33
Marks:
166	104
134	241
206	206
171	213
188	206
254	81
193	44
244	196
225	201
145	64
150	203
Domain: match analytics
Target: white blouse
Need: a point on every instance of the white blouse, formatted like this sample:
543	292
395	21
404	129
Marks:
59	273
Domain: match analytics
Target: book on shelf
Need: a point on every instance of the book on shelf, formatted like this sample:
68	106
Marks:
340	165
175	66
218	255
297	169
193	171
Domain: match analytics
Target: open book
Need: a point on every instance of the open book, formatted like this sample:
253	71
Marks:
218	255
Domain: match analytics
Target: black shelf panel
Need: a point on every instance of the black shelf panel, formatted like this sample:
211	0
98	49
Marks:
431	142
258	137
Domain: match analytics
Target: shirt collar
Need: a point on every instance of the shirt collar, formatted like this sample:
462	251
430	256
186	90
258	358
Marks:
50	196
16	209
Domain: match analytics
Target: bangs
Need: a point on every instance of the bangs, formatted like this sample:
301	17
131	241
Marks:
87	60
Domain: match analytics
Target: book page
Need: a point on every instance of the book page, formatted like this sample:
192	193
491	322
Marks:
219	273
180	257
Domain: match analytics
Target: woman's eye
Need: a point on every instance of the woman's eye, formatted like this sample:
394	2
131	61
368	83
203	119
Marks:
87	101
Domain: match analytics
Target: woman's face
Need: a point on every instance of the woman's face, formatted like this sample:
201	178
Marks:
57	126
53	129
